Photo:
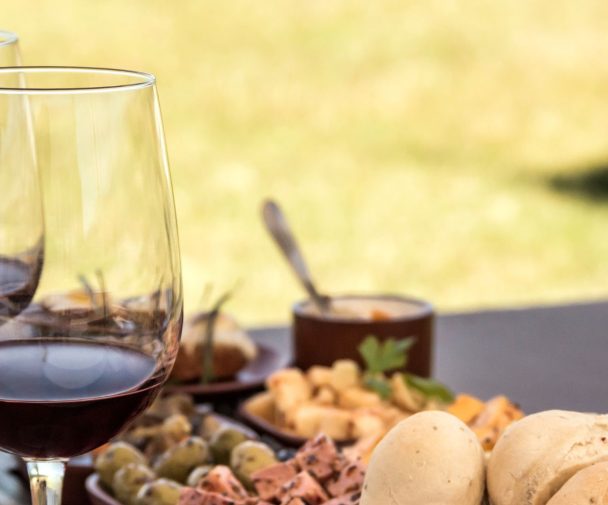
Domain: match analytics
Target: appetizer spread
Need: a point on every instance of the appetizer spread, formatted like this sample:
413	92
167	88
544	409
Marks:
317	474
239	472
350	404
180	455
164	457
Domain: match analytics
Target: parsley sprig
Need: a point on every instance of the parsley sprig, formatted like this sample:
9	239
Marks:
382	357
430	388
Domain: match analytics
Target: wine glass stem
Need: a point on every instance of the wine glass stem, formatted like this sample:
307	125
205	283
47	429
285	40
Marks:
46	481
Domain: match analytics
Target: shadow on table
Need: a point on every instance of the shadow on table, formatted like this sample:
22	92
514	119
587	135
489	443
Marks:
590	184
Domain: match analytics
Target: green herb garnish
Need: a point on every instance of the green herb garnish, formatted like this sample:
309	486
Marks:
430	388
378	385
209	336
381	357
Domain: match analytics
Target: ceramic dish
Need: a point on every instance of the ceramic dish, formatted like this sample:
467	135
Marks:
98	495
321	339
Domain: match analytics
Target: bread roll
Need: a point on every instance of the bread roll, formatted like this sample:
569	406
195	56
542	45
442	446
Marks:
538	454
233	348
431	458
588	486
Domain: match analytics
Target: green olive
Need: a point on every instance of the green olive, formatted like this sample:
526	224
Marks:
249	457
209	426
177	427
223	441
159	492
128	480
116	456
177	463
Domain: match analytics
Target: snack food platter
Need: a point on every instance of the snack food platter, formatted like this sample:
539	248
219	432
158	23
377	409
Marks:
319	471
462	338
197	461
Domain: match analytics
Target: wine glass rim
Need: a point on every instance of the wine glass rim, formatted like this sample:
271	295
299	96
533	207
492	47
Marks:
7	38
145	80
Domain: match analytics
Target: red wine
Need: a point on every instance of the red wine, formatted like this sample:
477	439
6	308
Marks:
61	398
18	282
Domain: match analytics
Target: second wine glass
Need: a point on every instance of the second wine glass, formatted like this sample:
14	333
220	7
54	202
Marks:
101	335
21	226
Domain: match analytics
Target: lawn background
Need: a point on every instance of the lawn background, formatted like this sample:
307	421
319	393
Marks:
454	150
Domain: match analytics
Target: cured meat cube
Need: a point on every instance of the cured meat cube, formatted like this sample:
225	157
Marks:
317	456
303	486
221	480
268	481
348	480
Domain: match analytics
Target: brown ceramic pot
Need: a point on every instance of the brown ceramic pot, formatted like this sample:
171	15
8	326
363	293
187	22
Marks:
321	339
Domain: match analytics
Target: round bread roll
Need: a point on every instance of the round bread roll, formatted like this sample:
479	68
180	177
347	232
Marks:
430	458
589	486
233	348
538	454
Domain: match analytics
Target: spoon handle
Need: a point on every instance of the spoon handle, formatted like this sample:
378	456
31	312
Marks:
279	229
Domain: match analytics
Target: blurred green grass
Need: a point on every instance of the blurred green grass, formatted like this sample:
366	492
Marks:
412	144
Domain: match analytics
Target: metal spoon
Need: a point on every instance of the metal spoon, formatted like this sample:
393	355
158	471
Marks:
279	229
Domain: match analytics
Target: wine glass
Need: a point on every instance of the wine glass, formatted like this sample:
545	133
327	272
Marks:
20	244
9	49
102	332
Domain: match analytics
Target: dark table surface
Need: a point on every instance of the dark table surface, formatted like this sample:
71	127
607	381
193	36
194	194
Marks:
541	357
